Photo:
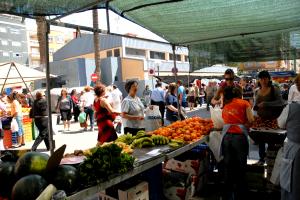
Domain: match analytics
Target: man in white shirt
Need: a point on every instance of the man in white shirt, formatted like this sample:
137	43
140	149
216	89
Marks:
158	99
294	94
116	98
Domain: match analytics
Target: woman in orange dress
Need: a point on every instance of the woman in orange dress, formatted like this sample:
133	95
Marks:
105	115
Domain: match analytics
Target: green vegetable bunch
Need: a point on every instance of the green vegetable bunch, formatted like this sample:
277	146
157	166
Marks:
104	163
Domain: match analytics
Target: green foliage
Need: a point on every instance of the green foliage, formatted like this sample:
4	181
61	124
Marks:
104	162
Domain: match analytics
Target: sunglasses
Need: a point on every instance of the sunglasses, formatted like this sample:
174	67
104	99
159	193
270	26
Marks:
229	79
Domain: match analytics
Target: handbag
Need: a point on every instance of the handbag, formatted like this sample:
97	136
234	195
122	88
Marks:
214	143
58	119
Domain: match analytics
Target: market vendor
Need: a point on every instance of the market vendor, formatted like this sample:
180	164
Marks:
290	165
268	105
218	99
236	114
132	109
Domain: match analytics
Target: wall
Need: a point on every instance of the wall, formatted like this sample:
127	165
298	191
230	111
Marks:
132	69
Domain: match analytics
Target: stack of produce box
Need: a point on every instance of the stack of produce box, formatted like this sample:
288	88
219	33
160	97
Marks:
185	175
27	125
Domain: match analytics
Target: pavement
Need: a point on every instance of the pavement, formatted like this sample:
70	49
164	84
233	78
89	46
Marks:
77	139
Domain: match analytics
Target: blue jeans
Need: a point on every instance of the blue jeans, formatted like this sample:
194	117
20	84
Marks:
90	113
19	120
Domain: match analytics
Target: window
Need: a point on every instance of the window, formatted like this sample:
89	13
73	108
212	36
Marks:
157	55
178	57
109	53
3	29
4	42
5	54
16	44
135	52
17	55
116	52
60	39
186	58
14	31
51	51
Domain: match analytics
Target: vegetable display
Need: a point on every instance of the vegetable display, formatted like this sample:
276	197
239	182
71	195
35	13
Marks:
103	163
189	130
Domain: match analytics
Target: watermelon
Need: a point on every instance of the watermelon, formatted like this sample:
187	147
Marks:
29	187
7	178
31	163
65	178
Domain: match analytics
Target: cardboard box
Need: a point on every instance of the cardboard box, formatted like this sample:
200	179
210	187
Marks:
191	167
175	185
138	192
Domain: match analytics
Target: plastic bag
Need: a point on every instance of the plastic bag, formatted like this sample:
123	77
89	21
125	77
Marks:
153	118
14	125
214	142
216	117
82	117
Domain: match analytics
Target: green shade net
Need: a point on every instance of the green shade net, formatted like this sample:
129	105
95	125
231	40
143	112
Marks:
214	30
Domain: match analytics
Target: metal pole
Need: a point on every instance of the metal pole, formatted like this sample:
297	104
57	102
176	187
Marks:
13	65
6	78
48	88
175	75
295	60
107	16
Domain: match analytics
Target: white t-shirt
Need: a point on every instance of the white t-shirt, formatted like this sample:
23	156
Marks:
294	94
117	96
134	107
88	99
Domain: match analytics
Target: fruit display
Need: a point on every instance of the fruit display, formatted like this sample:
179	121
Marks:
189	130
103	163
142	142
264	123
29	187
159	140
176	143
126	138
31	163
125	147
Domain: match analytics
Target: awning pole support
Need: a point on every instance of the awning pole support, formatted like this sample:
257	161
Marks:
176	81
48	88
6	79
13	65
107	17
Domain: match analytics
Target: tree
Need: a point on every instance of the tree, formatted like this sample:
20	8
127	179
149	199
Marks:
96	44
41	32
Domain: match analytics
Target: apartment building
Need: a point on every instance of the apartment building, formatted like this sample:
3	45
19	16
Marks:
13	40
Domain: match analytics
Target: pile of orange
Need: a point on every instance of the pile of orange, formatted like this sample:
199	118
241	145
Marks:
189	130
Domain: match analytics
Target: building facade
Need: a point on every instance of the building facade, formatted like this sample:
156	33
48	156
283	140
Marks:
13	40
57	39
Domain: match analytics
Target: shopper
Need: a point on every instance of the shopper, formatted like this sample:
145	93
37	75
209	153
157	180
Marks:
290	174
294	94
87	106
158	99
147	95
182	96
172	104
236	114
76	104
210	91
268	105
192	96
64	106
248	93
197	97
132	109
39	111
105	115
218	99
16	113
285	92
117	98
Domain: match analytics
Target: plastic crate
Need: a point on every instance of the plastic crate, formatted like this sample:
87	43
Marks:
7	139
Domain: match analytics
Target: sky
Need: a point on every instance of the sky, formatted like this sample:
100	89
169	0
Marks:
117	24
